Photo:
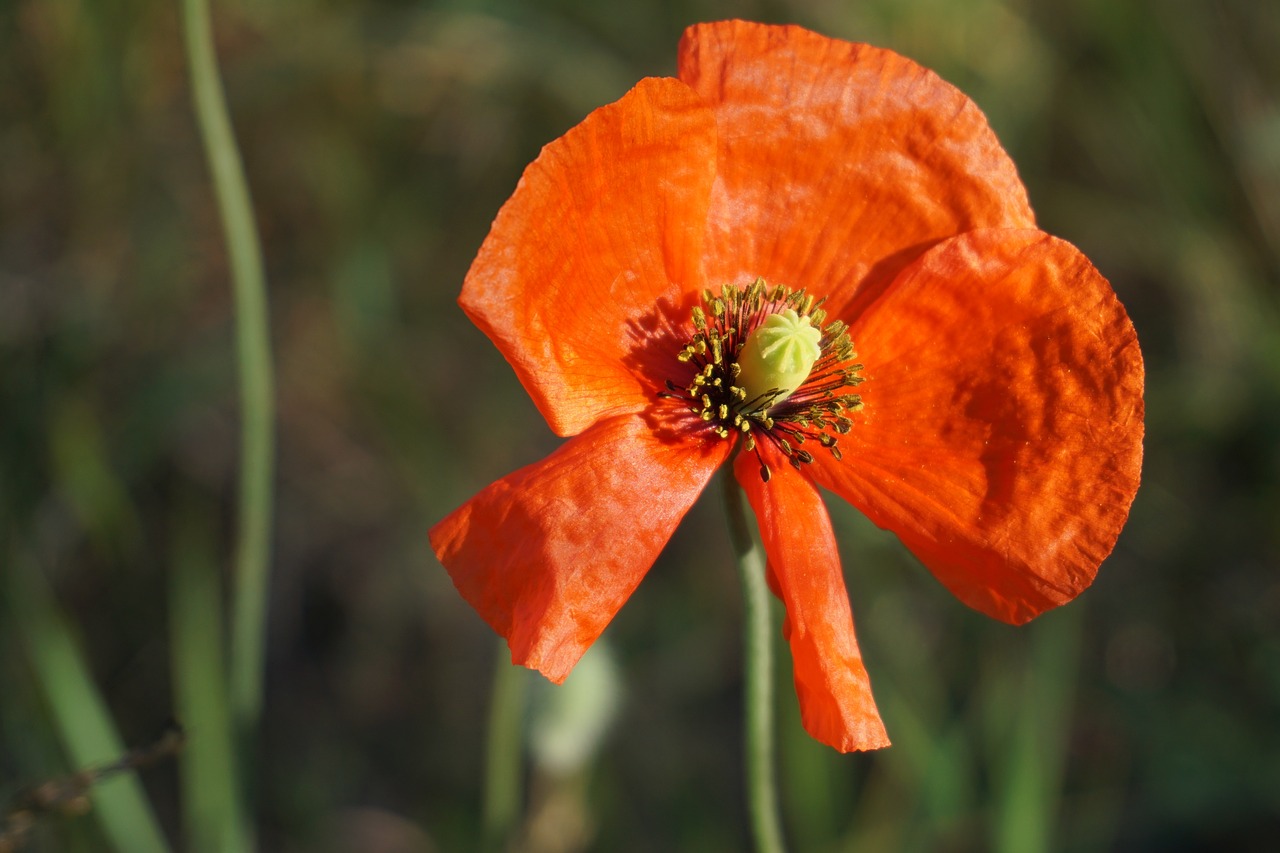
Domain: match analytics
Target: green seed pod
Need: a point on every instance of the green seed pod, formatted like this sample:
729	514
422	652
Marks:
779	355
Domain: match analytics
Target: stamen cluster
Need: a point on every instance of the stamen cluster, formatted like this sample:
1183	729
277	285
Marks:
816	411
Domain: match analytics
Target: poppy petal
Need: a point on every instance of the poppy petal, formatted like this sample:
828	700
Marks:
839	163
1001	437
836	705
604	226
548	554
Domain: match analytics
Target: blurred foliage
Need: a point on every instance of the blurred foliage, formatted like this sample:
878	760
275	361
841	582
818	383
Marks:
380	139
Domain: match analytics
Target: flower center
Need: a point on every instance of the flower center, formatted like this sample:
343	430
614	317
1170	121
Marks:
766	366
779	354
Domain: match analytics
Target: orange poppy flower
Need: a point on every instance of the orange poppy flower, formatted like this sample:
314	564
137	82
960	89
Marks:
997	428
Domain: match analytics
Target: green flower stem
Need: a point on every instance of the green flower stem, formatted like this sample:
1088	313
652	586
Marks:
502	762
253	347
762	792
80	715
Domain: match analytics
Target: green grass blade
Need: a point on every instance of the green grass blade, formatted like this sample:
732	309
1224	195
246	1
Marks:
1031	770
213	813
79	713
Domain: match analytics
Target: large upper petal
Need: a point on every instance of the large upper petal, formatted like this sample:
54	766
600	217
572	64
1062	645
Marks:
1002	432
836	705
839	163
605	225
548	555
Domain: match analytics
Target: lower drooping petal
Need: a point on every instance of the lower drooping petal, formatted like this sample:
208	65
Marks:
836	704
548	554
1001	437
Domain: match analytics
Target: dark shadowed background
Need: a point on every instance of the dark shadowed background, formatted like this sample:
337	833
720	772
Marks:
380	138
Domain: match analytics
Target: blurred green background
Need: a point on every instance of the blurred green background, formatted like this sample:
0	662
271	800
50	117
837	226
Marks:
380	138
